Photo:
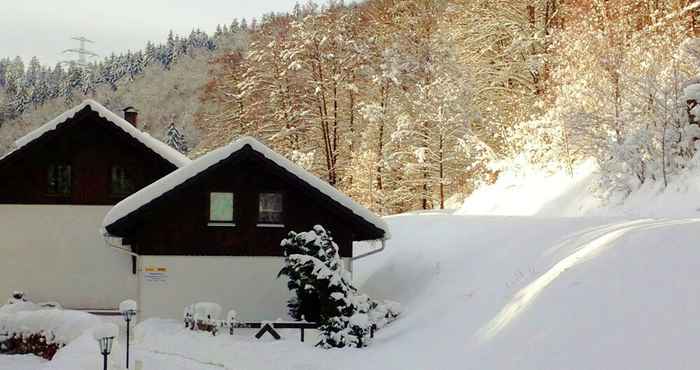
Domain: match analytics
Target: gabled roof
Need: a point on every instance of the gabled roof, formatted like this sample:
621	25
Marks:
169	154
159	188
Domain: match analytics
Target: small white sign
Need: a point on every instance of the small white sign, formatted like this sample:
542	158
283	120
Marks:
155	274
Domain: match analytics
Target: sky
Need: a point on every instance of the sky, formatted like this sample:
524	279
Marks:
44	28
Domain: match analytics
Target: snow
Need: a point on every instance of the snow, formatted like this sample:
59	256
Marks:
549	293
58	326
15	307
169	182
232	316
107	330
84	354
128	305
21	362
692	92
207	311
542	193
566	293
530	191
160	148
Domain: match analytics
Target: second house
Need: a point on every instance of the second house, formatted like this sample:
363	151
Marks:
211	231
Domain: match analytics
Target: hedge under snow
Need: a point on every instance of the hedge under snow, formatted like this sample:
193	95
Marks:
57	326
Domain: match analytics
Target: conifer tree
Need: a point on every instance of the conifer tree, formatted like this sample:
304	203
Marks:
323	292
175	139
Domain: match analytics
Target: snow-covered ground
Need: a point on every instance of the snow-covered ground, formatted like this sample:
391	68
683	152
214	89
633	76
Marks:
27	362
535	192
498	292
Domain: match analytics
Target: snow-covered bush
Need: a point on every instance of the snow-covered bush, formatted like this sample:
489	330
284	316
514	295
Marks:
203	316
41	331
16	297
323	292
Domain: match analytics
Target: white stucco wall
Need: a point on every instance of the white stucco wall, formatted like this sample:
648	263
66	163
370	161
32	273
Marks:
247	284
55	253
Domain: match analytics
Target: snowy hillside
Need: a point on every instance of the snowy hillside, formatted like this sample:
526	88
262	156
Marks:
531	293
533	192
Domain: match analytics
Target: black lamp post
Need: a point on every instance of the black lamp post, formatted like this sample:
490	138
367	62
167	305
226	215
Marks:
128	311
105	348
105	335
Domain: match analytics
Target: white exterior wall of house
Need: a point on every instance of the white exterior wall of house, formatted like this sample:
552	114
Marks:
248	285
55	253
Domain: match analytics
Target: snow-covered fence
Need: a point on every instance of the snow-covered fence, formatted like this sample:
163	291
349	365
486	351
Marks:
300	325
204	316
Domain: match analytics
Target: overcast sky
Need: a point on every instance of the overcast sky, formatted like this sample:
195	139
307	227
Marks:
43	28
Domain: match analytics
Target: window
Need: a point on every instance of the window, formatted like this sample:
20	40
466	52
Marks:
221	209
59	179
270	209
121	183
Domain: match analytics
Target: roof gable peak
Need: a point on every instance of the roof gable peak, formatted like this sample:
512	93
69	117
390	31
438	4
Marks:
161	149
216	156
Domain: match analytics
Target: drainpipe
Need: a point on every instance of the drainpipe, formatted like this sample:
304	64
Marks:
106	237
370	252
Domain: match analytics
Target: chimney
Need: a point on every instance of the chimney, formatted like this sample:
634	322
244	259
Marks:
131	115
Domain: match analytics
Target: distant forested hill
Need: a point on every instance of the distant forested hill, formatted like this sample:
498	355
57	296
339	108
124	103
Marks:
164	82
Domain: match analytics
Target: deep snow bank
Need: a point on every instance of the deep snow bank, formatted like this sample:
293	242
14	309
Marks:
535	293
536	192
528	192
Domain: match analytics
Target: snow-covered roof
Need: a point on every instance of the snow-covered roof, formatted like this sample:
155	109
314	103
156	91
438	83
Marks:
169	154
175	178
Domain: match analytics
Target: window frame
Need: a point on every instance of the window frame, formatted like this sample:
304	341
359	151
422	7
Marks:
128	174
281	223
222	223
71	180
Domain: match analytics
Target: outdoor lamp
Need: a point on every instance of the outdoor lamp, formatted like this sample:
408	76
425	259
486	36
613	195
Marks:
128	310
105	335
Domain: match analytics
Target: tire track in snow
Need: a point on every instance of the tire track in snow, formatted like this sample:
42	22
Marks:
591	243
179	358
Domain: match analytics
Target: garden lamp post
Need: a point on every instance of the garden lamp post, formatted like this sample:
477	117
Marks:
128	310
105	335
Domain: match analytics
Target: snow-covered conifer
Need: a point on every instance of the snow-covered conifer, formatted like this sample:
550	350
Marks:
175	139
323	291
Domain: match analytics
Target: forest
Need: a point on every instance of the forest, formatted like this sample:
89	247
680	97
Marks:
408	105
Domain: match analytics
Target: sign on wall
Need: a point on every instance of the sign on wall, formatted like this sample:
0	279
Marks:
155	274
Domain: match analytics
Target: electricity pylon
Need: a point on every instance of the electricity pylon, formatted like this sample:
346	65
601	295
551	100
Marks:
82	52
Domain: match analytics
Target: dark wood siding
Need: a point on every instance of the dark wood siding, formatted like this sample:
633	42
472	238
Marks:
91	145
177	224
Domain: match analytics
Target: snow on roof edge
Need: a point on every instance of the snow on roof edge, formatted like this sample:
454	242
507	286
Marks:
169	154
177	177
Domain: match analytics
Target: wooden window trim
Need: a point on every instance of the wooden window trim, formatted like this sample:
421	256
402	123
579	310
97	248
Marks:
221	224
129	175
234	214
262	224
270	225
48	192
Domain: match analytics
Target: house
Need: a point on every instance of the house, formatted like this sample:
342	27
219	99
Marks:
58	183
211	230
